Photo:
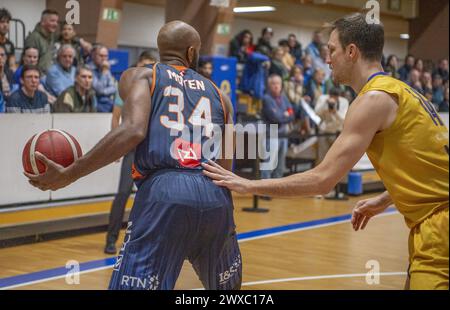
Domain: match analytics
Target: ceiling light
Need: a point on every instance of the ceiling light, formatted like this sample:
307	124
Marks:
253	9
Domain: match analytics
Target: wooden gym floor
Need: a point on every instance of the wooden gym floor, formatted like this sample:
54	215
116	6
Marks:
302	243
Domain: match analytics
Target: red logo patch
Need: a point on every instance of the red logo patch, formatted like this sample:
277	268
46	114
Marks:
188	154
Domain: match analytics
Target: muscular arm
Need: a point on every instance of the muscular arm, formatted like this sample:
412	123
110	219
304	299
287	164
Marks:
228	136
134	87
370	113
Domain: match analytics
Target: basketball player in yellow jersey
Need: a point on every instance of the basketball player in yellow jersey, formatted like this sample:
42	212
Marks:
405	139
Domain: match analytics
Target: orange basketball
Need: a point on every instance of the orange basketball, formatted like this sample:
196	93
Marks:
56	145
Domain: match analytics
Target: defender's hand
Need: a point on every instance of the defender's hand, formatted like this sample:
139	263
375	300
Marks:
225	178
54	177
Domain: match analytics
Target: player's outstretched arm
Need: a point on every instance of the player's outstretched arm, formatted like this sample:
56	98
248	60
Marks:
367	115
135	90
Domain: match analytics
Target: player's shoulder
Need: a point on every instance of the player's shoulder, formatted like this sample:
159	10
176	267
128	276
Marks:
137	73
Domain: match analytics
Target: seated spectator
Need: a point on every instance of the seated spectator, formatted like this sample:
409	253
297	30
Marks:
28	99
2	103
5	18
427	82
418	65
438	90
313	49
241	46
43	38
295	48
288	59
277	66
277	110
30	57
316	87
294	90
61	75
392	66
443	107
321	61
331	109
145	58
442	69
79	98
6	76
104	83
406	68
205	68
414	80
308	69
69	37
264	46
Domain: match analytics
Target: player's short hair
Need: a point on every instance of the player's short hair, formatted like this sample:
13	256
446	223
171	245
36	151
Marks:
5	15
368	37
27	68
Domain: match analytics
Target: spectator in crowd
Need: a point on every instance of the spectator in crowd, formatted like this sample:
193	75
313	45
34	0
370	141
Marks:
295	48
43	38
392	66
331	109
277	66
406	68
264	46
2	103
294	88
6	75
308	69
288	60
321	62
205	68
418	65
79	98
30	57
442	69
241	46
28	99
69	37
277	110
316	87
438	90
5	18
61	75
443	107
104	82
427	82
145	58
414	80
313	49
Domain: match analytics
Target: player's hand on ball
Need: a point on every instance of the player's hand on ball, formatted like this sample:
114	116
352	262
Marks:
53	178
365	210
225	178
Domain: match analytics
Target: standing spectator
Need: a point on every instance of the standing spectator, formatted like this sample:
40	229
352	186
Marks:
5	18
392	66
69	37
28	99
277	66
295	48
288	59
308	69
6	76
414	80
241	46
30	57
61	75
442	69
316	87
43	38
331	109
264	46
313	49
79	98
406	68
104	82
438	90
321	62
205	68
277	110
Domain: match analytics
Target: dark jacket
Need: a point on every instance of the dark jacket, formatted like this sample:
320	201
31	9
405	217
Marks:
273	112
44	42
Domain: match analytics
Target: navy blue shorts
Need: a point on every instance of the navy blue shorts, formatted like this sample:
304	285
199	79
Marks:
179	215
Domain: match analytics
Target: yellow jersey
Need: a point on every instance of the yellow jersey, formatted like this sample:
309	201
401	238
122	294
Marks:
412	155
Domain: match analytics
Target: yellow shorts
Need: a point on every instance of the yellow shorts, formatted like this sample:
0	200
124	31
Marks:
428	253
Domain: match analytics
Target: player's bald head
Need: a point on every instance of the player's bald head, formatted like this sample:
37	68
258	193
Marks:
179	40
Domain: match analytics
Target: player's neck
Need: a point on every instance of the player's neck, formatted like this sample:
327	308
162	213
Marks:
173	61
363	73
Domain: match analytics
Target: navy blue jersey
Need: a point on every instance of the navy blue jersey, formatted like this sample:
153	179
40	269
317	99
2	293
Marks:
187	113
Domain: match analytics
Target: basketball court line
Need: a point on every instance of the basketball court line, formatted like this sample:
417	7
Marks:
91	266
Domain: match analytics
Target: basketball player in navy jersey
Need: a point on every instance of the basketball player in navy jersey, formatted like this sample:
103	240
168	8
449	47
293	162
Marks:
178	213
